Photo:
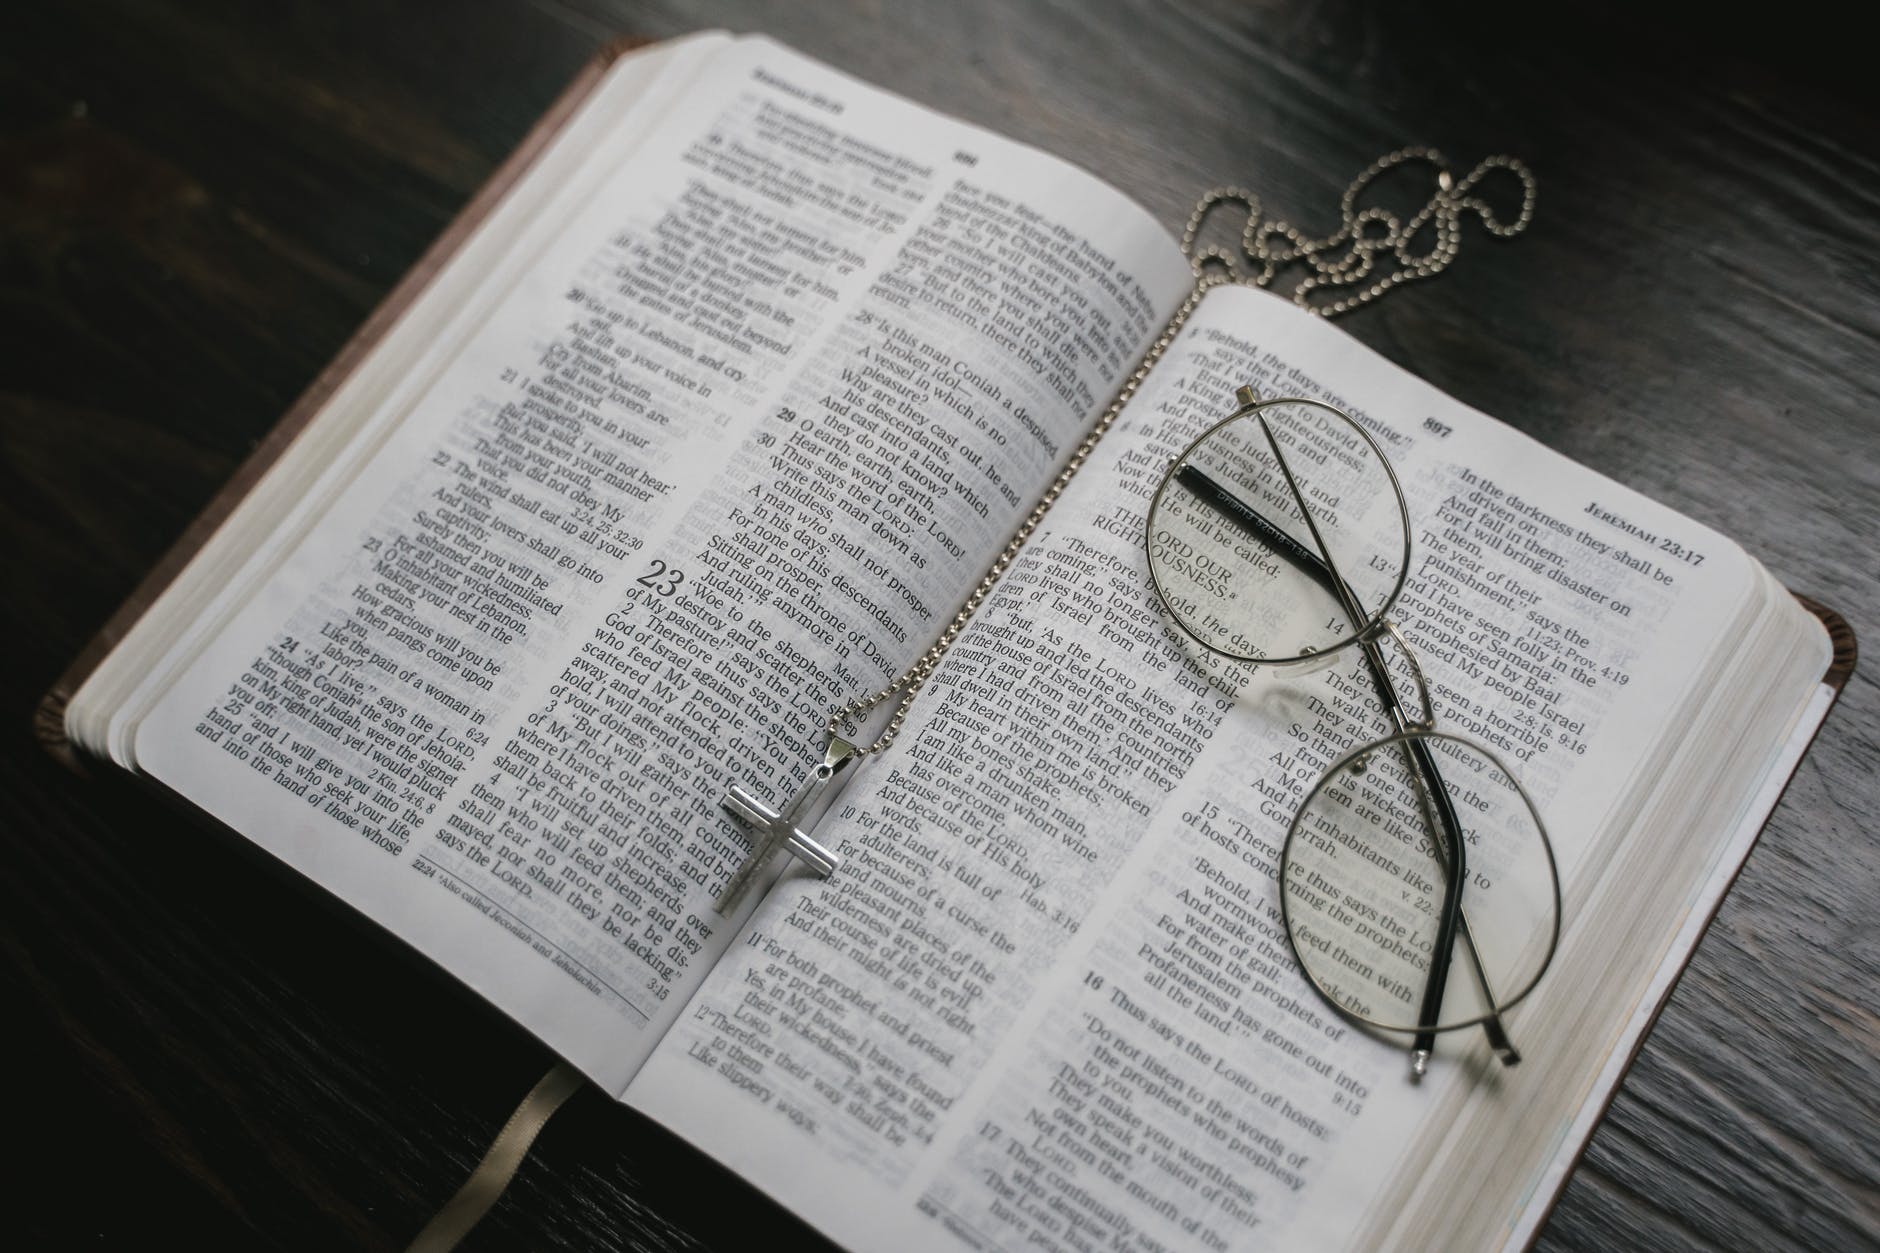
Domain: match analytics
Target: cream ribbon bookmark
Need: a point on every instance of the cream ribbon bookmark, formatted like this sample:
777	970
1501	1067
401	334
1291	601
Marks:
486	1183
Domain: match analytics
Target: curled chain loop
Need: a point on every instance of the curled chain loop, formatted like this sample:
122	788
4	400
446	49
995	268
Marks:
1373	250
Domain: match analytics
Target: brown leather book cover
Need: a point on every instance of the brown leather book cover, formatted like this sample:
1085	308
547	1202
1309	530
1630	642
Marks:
49	717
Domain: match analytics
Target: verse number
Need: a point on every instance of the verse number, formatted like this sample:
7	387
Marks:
1687	555
662	580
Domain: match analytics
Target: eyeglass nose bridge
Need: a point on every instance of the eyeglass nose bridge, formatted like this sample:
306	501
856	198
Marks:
1425	703
1400	713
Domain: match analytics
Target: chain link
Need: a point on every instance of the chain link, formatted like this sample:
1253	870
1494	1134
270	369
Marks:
1214	267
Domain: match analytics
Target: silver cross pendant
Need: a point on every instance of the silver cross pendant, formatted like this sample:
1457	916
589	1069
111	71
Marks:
776	831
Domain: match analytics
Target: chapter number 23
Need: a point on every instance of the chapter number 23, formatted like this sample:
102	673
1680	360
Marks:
662	580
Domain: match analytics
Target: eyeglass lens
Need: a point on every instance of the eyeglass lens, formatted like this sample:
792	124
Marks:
1363	875
1237	560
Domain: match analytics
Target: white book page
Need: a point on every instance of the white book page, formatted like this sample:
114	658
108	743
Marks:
1524	1226
1628	926
730	451
1048	1002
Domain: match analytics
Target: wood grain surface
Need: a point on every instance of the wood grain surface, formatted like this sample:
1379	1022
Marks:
199	203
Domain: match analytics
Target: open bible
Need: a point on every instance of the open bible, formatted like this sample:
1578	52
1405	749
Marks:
709	418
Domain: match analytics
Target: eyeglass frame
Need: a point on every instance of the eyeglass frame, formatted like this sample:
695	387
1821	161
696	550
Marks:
1410	734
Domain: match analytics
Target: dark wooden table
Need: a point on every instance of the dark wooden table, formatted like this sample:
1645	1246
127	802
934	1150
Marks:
199	203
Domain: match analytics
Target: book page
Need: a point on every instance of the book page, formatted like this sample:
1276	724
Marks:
729	453
1049	1001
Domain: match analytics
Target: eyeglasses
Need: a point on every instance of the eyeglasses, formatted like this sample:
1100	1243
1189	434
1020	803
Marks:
1281	536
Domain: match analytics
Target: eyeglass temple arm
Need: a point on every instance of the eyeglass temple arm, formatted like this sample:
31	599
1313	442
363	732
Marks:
1430	1010
1254	523
1436	795
1322	570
